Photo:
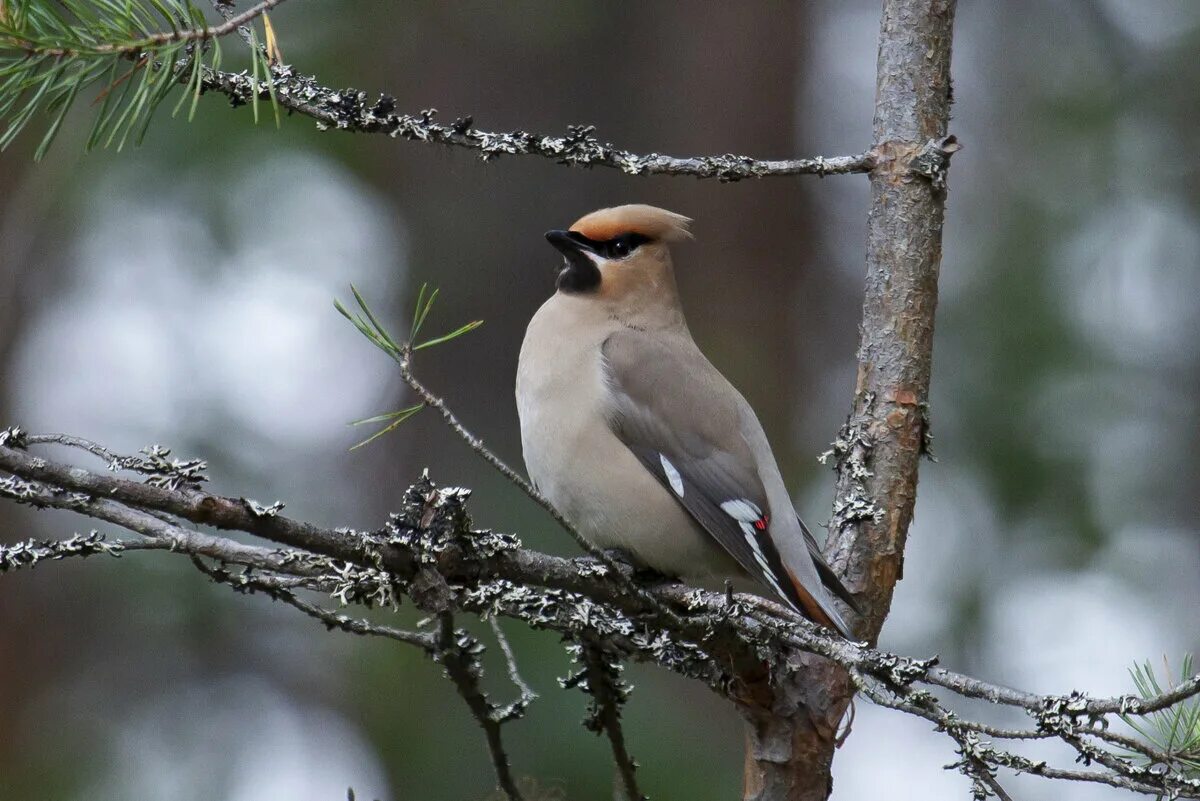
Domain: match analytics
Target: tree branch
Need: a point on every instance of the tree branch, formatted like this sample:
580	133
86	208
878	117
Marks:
354	110
429	553
878	450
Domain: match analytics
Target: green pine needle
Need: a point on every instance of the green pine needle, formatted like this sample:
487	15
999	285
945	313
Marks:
1175	730
397	419
471	326
369	326
52	52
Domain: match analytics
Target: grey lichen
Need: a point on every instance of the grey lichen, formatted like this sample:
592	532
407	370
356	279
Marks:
851	452
30	552
352	109
19	490
933	161
365	585
434	520
899	671
260	510
13	437
161	470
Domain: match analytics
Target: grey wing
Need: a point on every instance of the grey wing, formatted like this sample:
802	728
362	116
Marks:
680	417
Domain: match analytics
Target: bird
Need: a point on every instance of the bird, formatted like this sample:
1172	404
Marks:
638	440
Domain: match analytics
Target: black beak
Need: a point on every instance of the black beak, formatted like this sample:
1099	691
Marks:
569	243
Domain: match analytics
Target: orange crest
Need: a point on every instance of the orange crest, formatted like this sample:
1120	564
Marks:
649	221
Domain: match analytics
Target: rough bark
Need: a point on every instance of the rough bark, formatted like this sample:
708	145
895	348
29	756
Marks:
793	727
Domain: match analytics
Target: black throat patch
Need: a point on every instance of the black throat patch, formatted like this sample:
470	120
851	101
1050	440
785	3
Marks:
579	274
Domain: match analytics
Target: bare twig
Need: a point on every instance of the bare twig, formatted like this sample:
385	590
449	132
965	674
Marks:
517	708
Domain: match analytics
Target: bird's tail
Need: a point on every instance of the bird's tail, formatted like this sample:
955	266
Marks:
820	610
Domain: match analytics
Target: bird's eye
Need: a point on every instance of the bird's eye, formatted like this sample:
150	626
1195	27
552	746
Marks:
624	245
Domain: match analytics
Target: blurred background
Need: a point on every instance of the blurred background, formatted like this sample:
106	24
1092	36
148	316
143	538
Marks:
181	293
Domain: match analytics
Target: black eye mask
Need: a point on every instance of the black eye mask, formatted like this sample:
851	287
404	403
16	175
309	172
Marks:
580	273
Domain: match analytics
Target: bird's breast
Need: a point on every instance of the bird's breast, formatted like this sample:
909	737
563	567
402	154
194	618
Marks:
560	394
579	464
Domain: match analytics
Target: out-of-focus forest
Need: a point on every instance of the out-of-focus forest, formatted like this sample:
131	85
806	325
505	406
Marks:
181	293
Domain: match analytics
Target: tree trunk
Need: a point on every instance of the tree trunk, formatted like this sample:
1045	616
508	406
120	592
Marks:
793	726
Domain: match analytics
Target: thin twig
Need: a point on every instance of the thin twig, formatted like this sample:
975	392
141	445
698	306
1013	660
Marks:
517	708
69	440
280	589
227	11
975	752
28	553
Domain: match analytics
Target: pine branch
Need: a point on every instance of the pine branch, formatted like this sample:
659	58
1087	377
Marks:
66	40
135	54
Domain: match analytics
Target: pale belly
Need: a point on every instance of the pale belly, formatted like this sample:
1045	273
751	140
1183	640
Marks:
596	482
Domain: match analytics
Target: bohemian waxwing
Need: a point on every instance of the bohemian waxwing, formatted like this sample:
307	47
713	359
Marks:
637	439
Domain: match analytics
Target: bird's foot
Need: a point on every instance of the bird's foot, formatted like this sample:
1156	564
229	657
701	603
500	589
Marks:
651	577
641	574
621	557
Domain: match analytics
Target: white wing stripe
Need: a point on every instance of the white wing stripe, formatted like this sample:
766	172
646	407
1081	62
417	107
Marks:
752	539
747	514
673	476
741	510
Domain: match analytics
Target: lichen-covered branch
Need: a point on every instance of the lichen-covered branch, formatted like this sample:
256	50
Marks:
458	652
357	111
429	554
600	677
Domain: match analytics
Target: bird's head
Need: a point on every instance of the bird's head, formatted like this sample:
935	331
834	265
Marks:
618	251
